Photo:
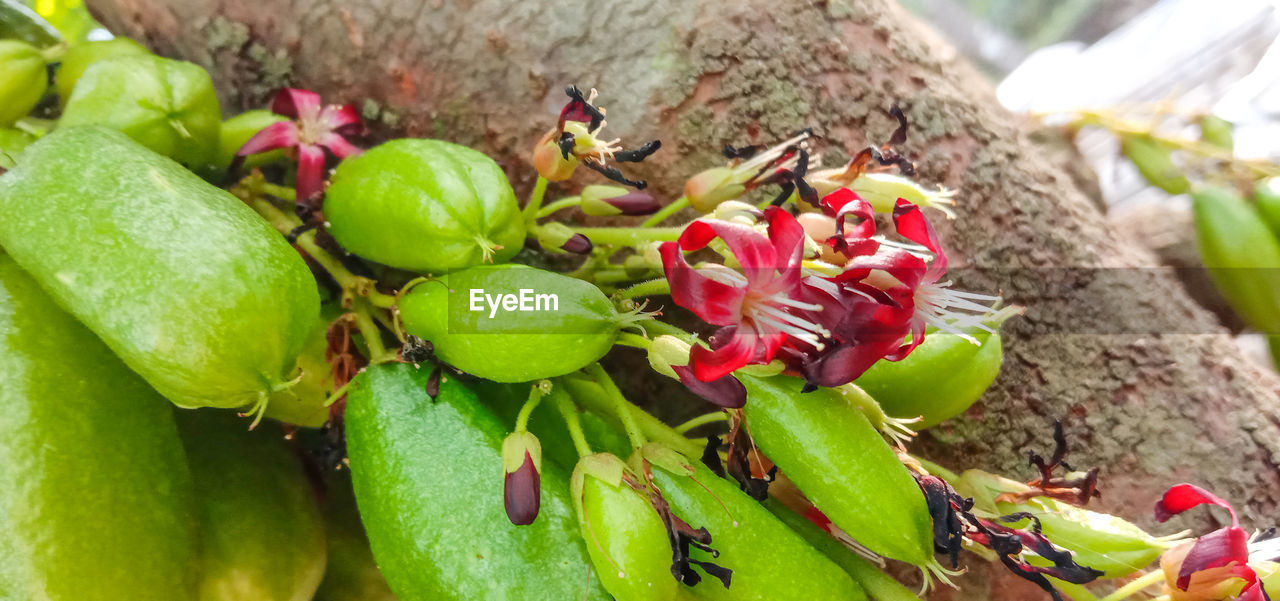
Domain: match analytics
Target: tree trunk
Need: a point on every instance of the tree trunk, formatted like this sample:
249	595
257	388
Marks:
1148	384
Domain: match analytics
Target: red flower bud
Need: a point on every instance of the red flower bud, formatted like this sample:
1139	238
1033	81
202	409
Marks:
522	481
606	201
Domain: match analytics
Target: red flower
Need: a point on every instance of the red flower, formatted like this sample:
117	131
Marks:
1214	566
314	128
756	306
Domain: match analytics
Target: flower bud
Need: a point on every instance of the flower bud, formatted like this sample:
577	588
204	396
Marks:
818	228
558	238
652	253
666	351
522	480
636	266
550	161
711	187
883	190
606	201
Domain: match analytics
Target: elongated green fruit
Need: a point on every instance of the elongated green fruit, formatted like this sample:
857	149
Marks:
878	585
95	496
80	56
626	539
166	105
182	280
512	323
769	561
424	205
1242	255
428	480
262	536
350	574
939	380
840	462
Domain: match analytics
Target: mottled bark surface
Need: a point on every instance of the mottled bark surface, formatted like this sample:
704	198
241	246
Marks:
1151	408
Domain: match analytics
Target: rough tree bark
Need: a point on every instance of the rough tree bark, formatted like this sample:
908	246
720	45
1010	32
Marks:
1171	401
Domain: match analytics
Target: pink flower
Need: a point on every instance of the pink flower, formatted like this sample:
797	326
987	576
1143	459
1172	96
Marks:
1214	566
314	128
756	305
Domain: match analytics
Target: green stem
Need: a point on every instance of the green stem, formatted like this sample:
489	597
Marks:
628	236
621	406
633	340
559	205
378	352
593	398
655	287
281	192
285	223
535	397
570	414
666	211
535	202
1135	586
702	420
337	394
612	276
1121	127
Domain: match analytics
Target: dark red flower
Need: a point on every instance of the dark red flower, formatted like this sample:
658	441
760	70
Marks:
576	138
756	304
314	128
1215	565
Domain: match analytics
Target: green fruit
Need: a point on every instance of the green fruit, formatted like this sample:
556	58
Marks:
166	105
878	585
428	479
1242	255
182	280
939	380
769	561
23	80
238	129
351	574
303	403
80	56
12	143
95	496
1154	161
262	534
424	205
471	330
835	456
626	539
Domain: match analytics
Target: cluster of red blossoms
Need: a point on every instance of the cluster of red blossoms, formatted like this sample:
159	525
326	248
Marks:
827	321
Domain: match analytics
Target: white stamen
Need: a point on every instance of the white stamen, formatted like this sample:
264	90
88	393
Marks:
772	153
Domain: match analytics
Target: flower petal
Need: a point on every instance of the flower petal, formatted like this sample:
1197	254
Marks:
292	102
787	236
310	172
752	249
744	348
717	303
1182	497
343	119
277	135
914	226
1218	548
339	146
725	392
